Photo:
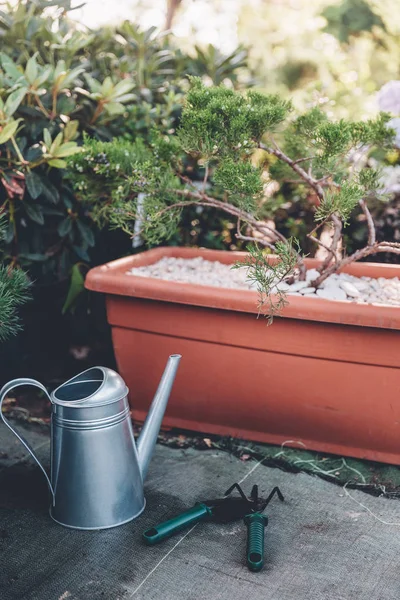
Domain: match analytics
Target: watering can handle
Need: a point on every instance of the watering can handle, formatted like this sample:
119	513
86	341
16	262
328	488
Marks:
3	393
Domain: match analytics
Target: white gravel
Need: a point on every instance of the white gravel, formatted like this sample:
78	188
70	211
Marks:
343	287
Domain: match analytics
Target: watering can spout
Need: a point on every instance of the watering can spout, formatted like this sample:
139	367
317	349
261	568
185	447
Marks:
148	436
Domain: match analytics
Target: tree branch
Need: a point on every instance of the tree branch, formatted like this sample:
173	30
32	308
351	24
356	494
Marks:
337	234
172	6
370	222
206	173
327	248
248	238
358	255
300	160
313	183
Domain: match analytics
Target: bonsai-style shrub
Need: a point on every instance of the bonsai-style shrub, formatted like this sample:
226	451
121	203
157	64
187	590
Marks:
244	141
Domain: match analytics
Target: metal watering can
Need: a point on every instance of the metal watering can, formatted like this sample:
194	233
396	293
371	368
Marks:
97	472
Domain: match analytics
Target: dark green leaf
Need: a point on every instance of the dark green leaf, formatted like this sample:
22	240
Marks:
34	153
76	287
64	263
65	105
34	184
86	233
33	256
50	191
67	201
81	253
65	227
34	212
52	211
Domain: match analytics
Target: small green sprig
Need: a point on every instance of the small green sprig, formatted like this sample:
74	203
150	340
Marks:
267	274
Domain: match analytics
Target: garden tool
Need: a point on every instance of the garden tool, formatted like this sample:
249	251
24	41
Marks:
224	510
97	471
256	523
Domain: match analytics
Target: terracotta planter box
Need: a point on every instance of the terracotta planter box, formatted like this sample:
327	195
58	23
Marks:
326	373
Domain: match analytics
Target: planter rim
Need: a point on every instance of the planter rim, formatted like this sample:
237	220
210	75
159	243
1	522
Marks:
112	278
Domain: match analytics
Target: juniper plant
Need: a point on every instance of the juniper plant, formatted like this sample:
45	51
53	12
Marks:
14	291
243	141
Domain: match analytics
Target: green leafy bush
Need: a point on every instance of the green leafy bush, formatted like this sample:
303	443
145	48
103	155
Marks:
59	81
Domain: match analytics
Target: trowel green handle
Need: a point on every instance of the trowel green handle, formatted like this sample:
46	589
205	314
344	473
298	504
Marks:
161	532
255	540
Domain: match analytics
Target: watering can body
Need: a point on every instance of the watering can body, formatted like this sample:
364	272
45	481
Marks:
96	469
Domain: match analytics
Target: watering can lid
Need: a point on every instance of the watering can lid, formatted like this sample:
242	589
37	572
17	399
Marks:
93	387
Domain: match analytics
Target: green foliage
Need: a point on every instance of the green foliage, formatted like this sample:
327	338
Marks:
218	122
76	287
341	202
14	291
300	137
331	53
242	181
351	18
267	274
212	63
59	82
305	125
109	176
373	131
298	73
369	181
333	139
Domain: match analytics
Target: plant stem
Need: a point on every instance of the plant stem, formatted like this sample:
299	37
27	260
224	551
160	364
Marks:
370	222
206	173
97	112
42	108
356	256
337	234
18	151
201	199
313	183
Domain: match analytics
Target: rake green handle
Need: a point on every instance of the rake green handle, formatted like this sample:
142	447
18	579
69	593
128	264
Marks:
161	532
255	540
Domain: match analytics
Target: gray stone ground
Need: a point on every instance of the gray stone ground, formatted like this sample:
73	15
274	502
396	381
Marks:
320	544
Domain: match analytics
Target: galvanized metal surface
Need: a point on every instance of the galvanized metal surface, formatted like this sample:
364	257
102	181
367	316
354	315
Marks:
97	474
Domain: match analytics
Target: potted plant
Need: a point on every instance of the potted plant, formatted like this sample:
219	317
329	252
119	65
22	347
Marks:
326	373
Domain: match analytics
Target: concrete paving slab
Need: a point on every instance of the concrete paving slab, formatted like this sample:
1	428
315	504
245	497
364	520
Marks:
320	544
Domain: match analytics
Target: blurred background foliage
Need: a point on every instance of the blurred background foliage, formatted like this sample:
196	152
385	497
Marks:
344	50
334	52
120	69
